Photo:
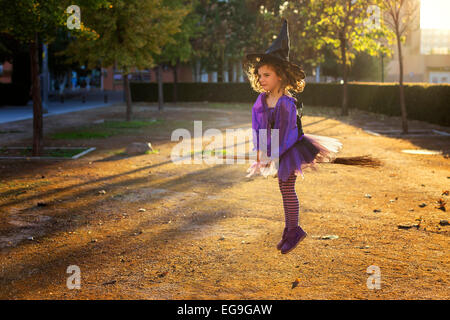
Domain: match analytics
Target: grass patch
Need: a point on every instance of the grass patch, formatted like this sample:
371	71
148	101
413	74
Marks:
212	153
154	151
106	129
81	135
134	124
64	153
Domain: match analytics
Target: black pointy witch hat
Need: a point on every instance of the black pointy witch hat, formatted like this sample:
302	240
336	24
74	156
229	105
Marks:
278	51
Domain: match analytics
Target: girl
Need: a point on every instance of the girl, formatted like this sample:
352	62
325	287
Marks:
275	78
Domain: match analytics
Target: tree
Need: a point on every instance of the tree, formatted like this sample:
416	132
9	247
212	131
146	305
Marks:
400	16
239	18
308	46
348	31
127	34
364	68
214	37
32	22
179	49
227	29
330	66
263	25
57	62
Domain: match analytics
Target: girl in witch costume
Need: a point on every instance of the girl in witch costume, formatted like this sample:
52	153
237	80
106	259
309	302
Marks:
277	79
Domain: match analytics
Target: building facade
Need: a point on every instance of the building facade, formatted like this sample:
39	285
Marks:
5	72
426	56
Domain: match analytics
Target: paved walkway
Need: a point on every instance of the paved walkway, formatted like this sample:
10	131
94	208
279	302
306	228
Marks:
93	100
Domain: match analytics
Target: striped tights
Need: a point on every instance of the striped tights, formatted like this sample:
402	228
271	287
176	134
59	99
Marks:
290	201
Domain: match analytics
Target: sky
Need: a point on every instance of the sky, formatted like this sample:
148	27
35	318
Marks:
434	14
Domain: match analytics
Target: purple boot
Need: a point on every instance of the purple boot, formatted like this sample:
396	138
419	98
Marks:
293	237
283	239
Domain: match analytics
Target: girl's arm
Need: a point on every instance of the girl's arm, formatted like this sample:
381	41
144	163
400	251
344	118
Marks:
288	131
256	126
259	121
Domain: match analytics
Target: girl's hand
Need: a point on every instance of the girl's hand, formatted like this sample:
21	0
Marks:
258	155
267	168
264	168
253	169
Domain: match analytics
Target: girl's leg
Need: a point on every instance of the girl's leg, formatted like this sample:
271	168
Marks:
290	201
280	184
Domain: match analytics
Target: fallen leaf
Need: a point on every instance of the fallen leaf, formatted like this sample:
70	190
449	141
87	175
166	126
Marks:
442	204
163	274
295	283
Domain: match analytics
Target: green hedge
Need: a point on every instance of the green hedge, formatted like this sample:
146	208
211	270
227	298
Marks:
426	102
192	91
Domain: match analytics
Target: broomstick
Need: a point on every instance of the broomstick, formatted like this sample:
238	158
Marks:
365	160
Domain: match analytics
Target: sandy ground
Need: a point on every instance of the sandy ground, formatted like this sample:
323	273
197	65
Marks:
207	231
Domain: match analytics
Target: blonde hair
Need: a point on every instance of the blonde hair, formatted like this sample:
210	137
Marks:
292	79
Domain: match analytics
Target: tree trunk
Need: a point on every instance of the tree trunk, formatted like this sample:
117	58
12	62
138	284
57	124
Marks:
345	76
175	81
194	68
345	92
230	70
126	88
220	67
38	142
160	89
402	92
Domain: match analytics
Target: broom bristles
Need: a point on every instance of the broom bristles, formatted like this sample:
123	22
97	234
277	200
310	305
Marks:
365	160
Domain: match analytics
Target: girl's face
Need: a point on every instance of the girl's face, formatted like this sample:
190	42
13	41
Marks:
268	79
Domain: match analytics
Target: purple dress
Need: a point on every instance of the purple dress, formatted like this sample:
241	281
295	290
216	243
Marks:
295	152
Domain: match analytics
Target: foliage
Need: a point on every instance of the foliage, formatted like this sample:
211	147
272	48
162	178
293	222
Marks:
344	22
126	33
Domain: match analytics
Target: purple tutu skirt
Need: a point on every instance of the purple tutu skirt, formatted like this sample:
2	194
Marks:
306	153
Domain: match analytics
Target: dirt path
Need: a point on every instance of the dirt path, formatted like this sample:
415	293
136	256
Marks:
207	231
